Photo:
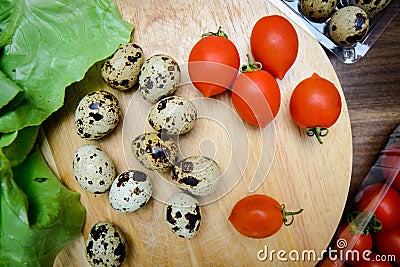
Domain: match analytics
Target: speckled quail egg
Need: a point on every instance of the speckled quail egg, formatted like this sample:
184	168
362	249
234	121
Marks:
173	115
96	115
121	70
372	7
317	10
130	191
182	215
159	77
105	245
155	151
348	25
93	169
197	174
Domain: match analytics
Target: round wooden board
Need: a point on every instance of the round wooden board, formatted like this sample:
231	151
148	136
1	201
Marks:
303	173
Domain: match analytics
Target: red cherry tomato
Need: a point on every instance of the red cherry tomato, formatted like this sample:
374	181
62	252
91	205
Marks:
388	243
275	44
213	63
387	206
391	163
315	105
352	243
259	216
256	95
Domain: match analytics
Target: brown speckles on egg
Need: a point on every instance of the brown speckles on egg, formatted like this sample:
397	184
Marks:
148	83
130	191
189	180
173	115
199	175
121	71
170	218
139	176
182	215
187	166
317	10
105	245
159	77
93	169
122	179
155	151
193	219
96	115
137	191
348	25
371	7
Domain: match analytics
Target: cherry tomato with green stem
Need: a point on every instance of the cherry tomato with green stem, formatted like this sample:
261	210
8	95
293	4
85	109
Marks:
213	63
315	105
353	243
383	201
256	95
259	216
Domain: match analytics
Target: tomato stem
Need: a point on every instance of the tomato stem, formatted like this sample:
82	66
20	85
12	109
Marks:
317	132
288	213
363	222
251	65
219	33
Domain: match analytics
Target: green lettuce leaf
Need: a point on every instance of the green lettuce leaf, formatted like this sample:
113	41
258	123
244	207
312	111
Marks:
45	45
12	197
17	145
10	14
55	215
10	94
53	45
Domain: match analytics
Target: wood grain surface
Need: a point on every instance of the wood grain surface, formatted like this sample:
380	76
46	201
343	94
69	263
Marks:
303	173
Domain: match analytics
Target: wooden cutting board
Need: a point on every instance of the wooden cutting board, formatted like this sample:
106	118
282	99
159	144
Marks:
280	160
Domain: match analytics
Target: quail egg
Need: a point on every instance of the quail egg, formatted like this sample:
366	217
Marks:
372	7
93	169
121	70
96	115
198	174
105	245
182	215
173	115
155	151
130	191
159	77
317	10
348	25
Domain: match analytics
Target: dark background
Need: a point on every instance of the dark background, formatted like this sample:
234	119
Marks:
372	90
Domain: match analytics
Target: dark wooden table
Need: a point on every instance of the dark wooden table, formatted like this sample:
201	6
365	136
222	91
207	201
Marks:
372	91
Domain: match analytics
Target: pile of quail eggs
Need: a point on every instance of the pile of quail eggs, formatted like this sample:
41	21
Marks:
171	116
345	24
98	113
